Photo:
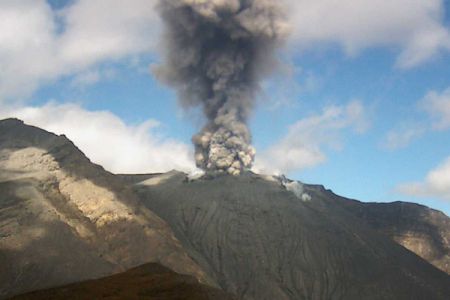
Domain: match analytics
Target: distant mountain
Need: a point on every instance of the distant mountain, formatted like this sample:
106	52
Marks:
422	230
150	281
64	220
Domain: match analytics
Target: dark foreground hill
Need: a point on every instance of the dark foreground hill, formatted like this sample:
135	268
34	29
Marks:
65	220
147	282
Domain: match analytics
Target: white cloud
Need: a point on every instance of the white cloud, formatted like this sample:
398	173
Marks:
107	140
403	137
302	147
436	184
27	46
438	106
91	77
414	26
107	29
87	78
38	44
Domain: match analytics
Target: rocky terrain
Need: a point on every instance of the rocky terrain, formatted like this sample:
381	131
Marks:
64	219
150	281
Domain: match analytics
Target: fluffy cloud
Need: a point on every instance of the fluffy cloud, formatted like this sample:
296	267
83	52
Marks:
38	44
414	26
107	140
107	29
27	46
436	184
402	137
302	147
438	106
91	77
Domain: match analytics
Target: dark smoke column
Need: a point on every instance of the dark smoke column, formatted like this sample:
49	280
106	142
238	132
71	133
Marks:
217	53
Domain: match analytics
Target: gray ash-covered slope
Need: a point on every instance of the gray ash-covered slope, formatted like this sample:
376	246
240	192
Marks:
64	219
261	241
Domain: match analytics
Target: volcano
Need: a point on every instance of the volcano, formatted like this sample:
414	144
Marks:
64	220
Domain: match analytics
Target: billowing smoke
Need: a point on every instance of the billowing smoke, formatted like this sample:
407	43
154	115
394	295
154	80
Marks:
216	54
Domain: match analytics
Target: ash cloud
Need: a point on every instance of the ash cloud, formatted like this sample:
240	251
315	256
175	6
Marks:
216	52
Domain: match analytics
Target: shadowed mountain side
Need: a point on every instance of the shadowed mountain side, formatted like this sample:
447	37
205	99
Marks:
37	251
260	241
65	219
150	281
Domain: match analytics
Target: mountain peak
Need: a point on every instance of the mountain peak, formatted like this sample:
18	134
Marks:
11	122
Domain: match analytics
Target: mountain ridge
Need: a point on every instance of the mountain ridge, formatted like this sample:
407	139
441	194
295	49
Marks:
50	189
64	219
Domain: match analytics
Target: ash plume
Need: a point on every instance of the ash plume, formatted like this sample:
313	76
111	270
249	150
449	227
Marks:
216	54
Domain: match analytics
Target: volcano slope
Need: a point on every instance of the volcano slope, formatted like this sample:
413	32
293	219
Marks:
259	240
64	219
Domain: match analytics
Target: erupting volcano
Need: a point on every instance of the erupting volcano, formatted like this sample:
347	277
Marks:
217	53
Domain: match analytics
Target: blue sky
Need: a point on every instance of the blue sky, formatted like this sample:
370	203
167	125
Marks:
364	99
